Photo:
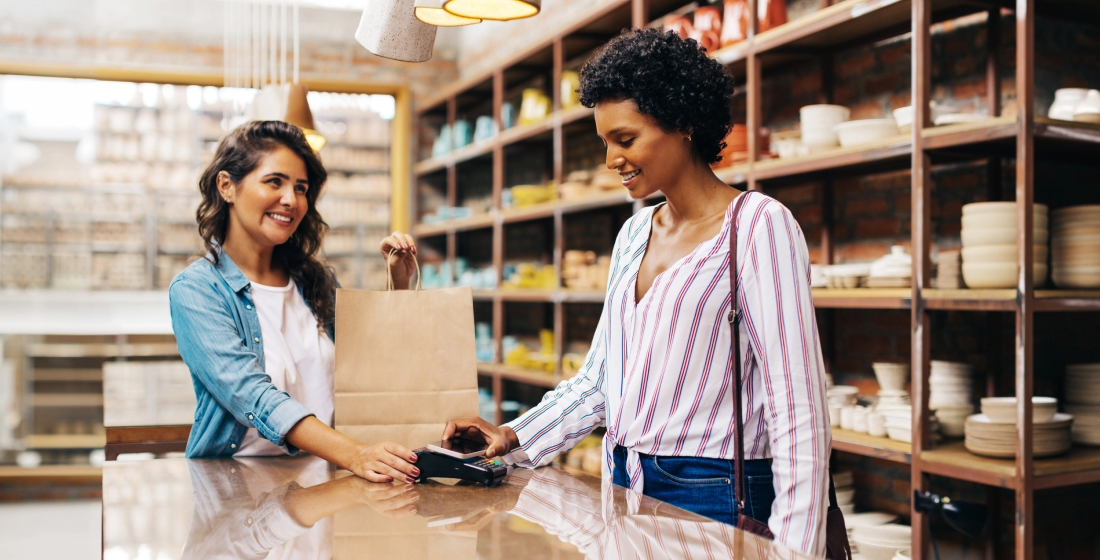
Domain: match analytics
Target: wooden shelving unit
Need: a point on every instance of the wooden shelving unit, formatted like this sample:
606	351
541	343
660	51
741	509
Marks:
842	25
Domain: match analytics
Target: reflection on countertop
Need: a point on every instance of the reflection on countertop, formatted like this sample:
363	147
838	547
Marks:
300	508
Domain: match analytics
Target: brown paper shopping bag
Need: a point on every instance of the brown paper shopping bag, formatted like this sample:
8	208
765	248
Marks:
405	363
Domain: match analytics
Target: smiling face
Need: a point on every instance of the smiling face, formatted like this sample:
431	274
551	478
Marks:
269	203
639	149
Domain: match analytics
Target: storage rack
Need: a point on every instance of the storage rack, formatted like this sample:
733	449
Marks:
156	221
841	25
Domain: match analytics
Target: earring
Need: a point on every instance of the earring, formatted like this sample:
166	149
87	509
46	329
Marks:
689	138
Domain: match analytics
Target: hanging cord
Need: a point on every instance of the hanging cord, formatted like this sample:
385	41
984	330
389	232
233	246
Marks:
928	527
389	276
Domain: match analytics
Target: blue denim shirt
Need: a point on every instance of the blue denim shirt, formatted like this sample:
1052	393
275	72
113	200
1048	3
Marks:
218	333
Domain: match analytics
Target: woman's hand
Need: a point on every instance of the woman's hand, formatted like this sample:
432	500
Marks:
402	263
501	439
385	462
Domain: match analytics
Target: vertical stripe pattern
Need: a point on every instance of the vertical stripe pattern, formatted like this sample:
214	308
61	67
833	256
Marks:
659	374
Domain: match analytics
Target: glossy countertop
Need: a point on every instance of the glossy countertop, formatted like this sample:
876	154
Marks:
301	508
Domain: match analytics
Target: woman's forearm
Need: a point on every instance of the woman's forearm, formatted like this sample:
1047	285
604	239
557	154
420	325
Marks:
381	462
314	437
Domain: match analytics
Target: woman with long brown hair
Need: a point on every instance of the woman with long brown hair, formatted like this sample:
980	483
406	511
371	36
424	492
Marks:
254	319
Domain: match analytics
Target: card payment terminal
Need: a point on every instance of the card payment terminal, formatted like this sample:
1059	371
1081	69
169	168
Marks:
475	469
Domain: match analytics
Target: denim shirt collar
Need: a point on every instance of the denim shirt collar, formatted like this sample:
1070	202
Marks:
229	270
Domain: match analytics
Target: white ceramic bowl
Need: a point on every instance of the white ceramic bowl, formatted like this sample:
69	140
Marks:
1065	279
1000	221
903	116
998	275
816	139
1005	208
1002	410
998	236
889	533
900	434
891	376
1000	254
815	114
854	133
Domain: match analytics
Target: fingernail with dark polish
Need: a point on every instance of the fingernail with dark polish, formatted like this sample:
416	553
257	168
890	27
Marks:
416	472
412	457
410	479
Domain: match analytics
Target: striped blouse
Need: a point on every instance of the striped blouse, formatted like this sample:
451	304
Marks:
659	373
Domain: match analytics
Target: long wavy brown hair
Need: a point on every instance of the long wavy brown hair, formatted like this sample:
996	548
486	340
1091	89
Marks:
239	154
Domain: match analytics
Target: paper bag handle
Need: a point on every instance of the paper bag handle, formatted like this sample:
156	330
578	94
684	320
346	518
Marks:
389	277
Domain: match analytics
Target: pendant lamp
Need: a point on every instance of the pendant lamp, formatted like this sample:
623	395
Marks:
298	114
431	12
389	29
499	10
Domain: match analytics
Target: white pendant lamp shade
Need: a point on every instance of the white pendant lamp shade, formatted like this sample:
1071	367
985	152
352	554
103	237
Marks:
500	10
389	29
431	12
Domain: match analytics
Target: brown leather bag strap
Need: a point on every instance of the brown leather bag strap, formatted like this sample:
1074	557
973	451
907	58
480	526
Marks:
739	460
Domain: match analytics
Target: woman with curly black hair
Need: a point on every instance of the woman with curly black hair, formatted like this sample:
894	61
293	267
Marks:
661	370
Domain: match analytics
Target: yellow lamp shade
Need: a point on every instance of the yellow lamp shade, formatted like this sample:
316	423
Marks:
431	12
499	10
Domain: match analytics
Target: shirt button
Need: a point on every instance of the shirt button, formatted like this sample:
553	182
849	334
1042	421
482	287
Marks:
256	339
248	307
232	446
249	521
249	416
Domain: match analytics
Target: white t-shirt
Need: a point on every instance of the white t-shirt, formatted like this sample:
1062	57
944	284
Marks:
298	355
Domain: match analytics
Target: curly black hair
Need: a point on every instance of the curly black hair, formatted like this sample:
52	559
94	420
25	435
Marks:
670	79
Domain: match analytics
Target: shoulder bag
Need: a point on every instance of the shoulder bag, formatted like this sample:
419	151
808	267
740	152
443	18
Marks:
836	537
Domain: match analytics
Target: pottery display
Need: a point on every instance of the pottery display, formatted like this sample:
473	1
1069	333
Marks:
1088	109
1065	103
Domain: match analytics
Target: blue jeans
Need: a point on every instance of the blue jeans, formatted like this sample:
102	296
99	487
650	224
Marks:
702	485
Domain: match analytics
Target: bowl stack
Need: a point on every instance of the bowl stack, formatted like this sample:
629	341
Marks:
1075	246
895	270
882	542
819	125
993	433
951	395
1083	396
949	271
989	245
846	276
867	519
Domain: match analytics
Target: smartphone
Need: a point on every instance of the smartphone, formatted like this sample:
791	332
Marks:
459	448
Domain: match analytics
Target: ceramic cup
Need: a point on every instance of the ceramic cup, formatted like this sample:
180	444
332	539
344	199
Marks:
847	416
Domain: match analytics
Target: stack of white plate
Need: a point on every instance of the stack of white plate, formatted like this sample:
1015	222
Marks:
819	125
951	395
895	270
882	542
1083	396
989	245
993	433
846	275
1075	246
949	271
867	519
